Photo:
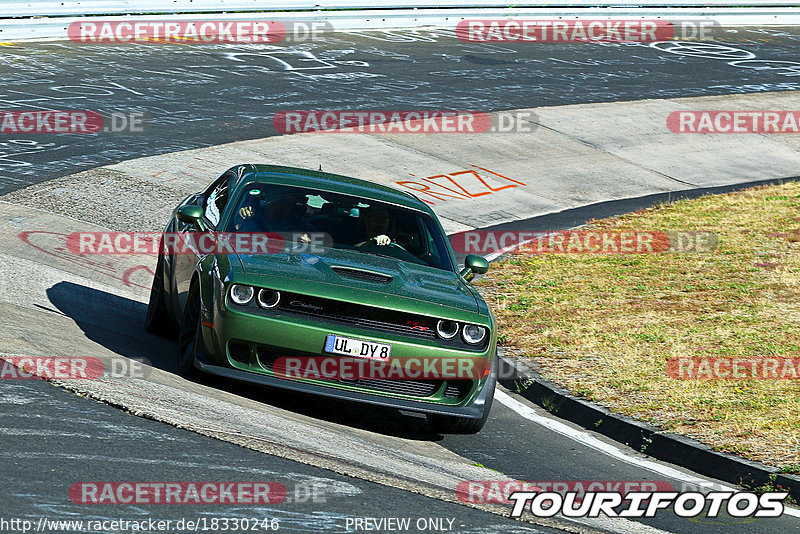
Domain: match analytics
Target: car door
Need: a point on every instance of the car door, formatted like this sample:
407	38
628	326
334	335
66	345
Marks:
213	200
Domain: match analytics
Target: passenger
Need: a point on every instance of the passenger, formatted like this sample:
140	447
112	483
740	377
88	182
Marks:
284	213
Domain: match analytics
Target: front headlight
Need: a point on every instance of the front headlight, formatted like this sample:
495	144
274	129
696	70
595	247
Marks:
446	329
473	334
241	295
268	298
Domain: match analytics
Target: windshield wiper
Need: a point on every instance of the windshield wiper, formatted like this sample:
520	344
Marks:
383	255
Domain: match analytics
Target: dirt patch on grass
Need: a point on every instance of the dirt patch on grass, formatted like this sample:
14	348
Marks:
604	326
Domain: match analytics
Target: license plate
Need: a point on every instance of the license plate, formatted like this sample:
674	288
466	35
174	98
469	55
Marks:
357	348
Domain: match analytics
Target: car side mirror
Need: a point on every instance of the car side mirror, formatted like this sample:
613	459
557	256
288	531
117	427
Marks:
474	264
190	214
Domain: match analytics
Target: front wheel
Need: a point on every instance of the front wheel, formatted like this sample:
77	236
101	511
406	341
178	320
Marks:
158	321
448	424
190	335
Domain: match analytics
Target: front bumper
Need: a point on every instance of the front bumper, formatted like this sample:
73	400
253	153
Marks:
474	410
305	337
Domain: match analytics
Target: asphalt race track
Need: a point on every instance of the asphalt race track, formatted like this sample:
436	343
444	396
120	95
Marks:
88	436
204	95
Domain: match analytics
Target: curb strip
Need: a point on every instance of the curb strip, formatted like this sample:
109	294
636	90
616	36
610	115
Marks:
642	437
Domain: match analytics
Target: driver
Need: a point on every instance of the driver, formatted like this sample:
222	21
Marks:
376	226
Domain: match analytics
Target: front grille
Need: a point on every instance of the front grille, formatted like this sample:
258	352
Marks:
415	388
358	315
457	389
358	274
361	316
239	352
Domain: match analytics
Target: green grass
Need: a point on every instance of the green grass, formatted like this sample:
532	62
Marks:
603	326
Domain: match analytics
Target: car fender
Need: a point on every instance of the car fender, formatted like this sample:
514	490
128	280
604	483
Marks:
203	276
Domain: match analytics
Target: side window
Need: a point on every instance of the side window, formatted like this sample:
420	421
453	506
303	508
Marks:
216	200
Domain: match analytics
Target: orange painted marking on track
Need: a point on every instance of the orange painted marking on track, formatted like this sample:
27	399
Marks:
461	193
442	192
500	175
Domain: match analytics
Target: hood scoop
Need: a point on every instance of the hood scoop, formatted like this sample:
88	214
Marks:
359	274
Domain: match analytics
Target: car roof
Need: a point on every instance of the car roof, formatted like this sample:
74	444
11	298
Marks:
337	183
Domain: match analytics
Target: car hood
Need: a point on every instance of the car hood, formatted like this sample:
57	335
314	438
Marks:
334	274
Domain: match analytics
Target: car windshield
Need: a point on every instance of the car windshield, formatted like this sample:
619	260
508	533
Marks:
344	222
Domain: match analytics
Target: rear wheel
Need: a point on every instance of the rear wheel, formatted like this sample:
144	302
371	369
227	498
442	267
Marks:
190	334
158	321
447	424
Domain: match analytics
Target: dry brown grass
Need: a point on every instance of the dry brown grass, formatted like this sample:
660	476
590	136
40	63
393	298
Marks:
604	325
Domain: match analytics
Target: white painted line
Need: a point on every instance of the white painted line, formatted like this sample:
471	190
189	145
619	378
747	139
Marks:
494	255
588	440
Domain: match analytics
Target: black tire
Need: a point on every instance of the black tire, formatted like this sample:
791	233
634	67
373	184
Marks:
158	321
189	341
447	424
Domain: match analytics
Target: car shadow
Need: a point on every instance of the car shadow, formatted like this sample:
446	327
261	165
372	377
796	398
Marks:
117	323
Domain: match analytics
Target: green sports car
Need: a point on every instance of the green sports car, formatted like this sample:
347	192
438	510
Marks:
354	275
